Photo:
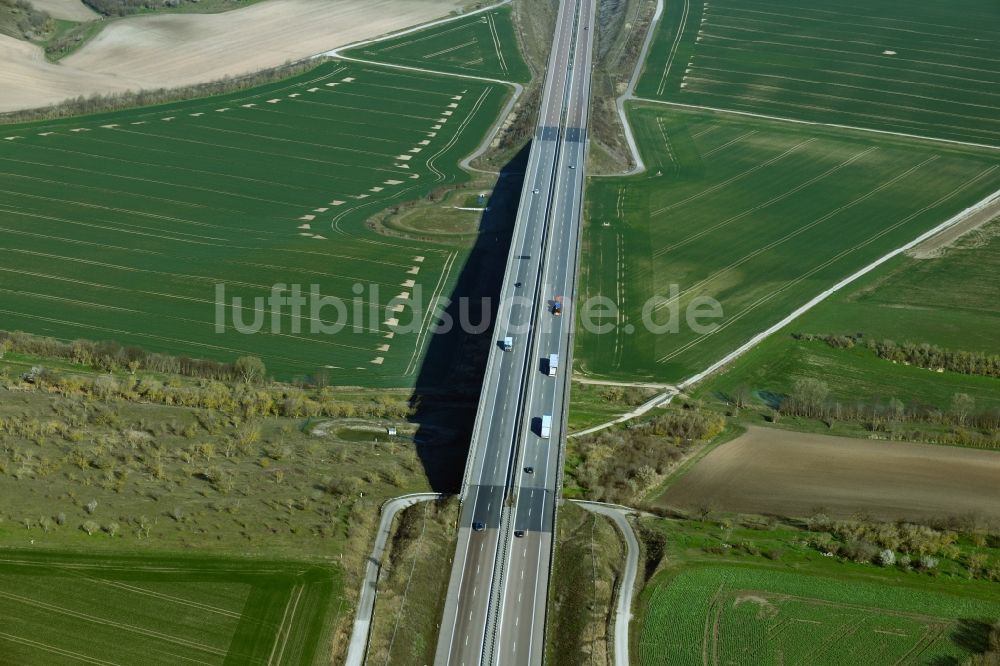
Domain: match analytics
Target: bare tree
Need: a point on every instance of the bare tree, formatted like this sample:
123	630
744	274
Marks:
962	405
250	369
742	396
897	409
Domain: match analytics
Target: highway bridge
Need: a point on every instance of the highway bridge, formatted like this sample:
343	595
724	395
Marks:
495	609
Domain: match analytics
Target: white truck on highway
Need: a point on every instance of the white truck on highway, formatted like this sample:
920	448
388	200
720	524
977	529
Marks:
508	343
546	426
553	364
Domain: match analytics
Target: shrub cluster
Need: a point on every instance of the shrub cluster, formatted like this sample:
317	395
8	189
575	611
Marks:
923	355
247	400
21	20
905	545
126	7
112	357
620	465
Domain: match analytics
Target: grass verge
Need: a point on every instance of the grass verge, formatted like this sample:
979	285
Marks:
413	584
589	556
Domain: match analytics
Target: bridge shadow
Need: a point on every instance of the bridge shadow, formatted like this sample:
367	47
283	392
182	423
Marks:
446	392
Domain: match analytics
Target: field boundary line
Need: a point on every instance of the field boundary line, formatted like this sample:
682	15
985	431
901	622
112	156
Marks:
159	595
496	41
160	165
287	620
151	336
450	49
673	48
411	42
231	307
732	179
814	123
86	617
794	233
795	79
50	648
410	30
131	567
761	88
209	145
424	324
666	249
491	134
122	193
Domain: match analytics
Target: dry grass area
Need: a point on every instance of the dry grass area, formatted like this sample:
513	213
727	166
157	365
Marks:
588	568
413	584
72	10
171	50
779	472
936	245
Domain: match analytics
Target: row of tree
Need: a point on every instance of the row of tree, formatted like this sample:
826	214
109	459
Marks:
243	399
114	357
810	398
921	355
126	7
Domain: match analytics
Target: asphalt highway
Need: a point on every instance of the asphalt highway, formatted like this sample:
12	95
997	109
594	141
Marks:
495	610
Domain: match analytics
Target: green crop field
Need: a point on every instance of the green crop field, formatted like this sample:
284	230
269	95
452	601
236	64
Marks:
758	215
76	609
773	367
950	301
481	45
122	226
922	67
722	614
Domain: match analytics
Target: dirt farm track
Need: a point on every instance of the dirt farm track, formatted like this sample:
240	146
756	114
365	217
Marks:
778	472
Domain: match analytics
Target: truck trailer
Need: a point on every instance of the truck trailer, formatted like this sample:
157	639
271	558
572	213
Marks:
553	364
546	426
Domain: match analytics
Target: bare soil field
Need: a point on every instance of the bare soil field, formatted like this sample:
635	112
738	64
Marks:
72	10
171	50
779	472
28	80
